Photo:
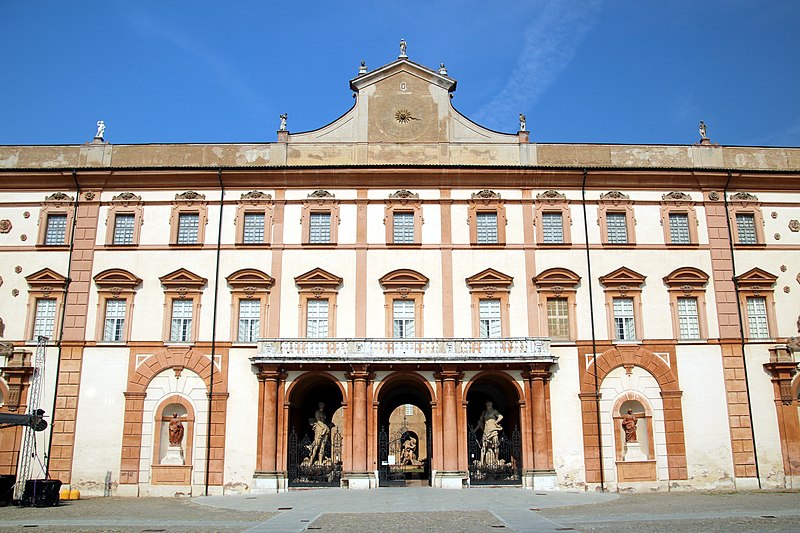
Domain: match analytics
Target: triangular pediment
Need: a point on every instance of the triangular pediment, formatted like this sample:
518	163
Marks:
250	277
403	277
490	277
557	276
182	277
402	65
622	276
686	276
116	277
318	277
47	277
756	276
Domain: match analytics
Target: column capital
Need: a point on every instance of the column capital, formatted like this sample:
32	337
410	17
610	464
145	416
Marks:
360	372
449	373
537	372
271	373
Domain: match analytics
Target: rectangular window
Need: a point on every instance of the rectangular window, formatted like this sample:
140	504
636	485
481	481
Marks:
688	323
317	320
253	228
181	330
489	316
552	228
403	227
757	317
56	230
403	319
617	228
486	224
188	226
319	227
114	326
558	318
45	320
746	226
624	325
679	228
249	320
123	228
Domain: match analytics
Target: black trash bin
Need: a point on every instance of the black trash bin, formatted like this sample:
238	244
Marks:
7	488
41	493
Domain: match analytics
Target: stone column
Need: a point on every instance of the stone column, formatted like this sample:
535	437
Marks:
450	477
268	477
359	477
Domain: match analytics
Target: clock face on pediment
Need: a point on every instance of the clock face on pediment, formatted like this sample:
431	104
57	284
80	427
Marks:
402	109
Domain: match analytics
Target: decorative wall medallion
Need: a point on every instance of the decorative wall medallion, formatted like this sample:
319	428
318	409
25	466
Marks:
787	289
14	292
774	214
18	269
777	236
713	196
403	86
404	116
783	268
794	225
89	195
26	214
5	226
1	281
23	237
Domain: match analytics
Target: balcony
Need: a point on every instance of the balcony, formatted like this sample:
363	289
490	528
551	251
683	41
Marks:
374	350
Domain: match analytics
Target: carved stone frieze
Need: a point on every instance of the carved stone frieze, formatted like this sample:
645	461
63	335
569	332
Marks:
614	195
126	198
190	195
677	196
486	194
743	197
551	195
404	194
256	195
58	197
320	193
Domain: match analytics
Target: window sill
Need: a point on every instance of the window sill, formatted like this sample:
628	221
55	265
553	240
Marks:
320	244
52	246
627	341
619	244
186	245
114	344
403	244
683	244
244	344
178	343
487	244
750	245
252	244
553	244
126	246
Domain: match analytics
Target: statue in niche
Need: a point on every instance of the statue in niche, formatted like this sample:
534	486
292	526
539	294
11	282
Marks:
408	455
629	426
490	445
322	432
101	129
175	431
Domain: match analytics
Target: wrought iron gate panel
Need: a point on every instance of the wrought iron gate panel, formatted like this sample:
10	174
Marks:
393	474
304	471
500	466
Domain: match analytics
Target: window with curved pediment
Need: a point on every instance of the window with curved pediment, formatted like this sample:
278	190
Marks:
320	218
746	219
678	219
757	304
116	289
556	288
124	220
687	300
552	219
188	219
487	219
404	290
615	218
182	292
403	218
623	290
249	304
489	291
55	220
45	301
318	290
254	218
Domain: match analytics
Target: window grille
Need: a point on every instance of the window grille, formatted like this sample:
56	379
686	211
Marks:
617	228
188	226
757	317
45	320
746	227
319	227
56	232
486	224
552	228
123	228
679	228
688	322
403	227
253	228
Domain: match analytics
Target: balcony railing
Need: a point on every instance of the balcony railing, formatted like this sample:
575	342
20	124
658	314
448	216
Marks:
404	350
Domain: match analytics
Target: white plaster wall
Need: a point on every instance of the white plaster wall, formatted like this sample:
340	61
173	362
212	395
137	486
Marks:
459	223
292	227
431	224
565	416
241	424
348	215
705	417
514	225
765	418
100	418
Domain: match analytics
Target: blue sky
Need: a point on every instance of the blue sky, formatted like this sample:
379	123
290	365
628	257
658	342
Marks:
582	71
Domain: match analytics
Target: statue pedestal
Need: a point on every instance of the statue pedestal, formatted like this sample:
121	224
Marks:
174	456
633	452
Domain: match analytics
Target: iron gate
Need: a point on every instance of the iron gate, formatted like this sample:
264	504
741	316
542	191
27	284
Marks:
494	463
391	472
324	469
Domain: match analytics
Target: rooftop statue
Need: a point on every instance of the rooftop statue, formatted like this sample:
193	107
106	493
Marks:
703	131
403	47
522	123
283	118
101	129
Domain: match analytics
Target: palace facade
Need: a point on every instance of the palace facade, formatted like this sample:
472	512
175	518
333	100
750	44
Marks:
306	308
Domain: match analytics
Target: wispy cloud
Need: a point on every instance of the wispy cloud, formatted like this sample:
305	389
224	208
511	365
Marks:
221	71
549	44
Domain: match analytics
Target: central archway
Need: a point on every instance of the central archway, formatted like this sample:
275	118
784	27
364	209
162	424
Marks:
404	433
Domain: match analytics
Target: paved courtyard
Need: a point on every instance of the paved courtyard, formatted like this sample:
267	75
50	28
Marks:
418	509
